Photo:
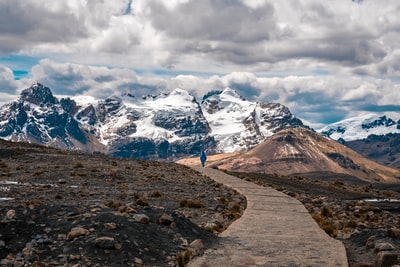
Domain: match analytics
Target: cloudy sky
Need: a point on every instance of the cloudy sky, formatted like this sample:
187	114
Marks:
325	60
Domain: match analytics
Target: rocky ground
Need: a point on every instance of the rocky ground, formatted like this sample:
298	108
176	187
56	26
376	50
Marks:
61	208
369	230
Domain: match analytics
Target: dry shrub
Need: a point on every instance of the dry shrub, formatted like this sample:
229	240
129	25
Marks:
222	200
326	212
216	228
325	224
189	203
156	193
183	258
142	202
113	173
113	204
3	164
234	211
78	165
351	224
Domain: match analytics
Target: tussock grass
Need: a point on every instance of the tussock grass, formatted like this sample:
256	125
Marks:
189	203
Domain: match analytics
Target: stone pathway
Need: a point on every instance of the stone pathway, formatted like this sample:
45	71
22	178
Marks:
275	230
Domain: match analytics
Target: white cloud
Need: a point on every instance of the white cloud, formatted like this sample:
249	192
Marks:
191	35
317	99
74	79
324	59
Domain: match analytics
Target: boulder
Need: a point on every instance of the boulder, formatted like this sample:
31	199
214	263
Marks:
141	218
105	242
77	231
166	219
383	246
386	259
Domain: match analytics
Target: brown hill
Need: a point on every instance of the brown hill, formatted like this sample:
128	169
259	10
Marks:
299	151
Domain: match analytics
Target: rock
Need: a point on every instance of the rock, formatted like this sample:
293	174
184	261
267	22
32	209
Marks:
117	246
383	247
74	257
394	232
142	218
138	262
61	237
166	219
39	264
130	210
105	242
110	226
11	214
210	226
26	252
196	247
364	264
94	210
386	259
77	231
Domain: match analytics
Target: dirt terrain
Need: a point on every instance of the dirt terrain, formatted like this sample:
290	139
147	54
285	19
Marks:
60	208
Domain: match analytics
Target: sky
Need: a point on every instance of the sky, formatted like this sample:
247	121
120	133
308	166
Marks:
325	60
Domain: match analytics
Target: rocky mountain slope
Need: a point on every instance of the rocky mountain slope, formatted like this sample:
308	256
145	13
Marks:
374	136
300	150
384	149
165	126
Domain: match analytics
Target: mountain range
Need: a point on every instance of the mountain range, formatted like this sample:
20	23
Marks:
165	126
360	127
375	136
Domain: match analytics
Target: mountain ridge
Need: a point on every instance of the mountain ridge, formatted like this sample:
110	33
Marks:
360	127
164	126
375	136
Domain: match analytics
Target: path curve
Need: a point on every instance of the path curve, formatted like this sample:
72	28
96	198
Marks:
274	230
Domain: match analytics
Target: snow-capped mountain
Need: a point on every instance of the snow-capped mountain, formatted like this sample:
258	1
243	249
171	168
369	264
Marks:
361	127
37	116
238	124
165	126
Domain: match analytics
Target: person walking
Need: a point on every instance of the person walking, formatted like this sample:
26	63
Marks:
203	158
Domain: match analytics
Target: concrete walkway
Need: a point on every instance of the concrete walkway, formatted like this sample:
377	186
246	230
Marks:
275	230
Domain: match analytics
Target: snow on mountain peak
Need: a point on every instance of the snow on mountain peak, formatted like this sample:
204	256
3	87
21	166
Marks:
153	126
177	98
229	93
238	124
361	127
